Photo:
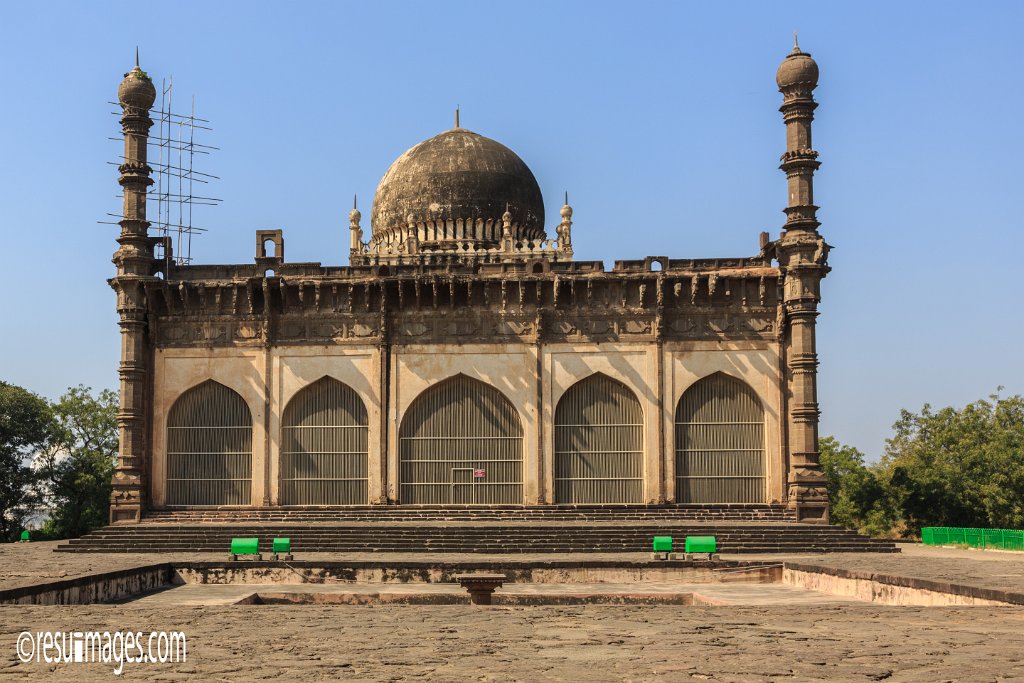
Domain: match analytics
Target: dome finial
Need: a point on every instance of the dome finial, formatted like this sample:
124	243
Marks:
354	214
354	198
457	116
136	56
796	45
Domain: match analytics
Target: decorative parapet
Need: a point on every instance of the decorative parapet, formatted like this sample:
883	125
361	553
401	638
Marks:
468	241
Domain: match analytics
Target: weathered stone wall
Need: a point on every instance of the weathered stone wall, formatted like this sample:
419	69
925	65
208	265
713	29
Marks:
269	378
529	335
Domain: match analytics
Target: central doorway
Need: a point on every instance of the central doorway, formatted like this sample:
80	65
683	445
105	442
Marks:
461	443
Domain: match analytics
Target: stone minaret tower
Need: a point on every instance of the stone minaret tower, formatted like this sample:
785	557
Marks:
134	261
802	255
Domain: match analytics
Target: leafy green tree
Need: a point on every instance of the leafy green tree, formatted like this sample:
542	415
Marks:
25	424
962	468
77	462
856	494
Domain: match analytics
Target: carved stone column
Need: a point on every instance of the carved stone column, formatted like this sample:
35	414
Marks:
802	255
134	261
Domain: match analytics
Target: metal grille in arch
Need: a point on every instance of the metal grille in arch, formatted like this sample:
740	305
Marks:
324	446
461	443
599	444
209	448
720	443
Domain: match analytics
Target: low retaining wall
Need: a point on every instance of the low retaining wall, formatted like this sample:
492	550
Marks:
516	572
93	588
507	599
868	587
892	590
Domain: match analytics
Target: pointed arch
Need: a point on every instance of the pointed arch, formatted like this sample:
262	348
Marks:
461	442
209	447
324	460
720	454
599	426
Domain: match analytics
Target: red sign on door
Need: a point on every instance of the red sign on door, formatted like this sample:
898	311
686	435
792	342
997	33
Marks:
479	474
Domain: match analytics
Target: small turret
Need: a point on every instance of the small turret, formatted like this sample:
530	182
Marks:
797	78
564	230
356	232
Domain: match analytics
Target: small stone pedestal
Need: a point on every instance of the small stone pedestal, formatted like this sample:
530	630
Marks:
480	586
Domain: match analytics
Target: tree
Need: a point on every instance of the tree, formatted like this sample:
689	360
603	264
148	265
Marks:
856	495
961	468
25	424
77	462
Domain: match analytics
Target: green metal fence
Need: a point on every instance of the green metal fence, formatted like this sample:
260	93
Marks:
1004	539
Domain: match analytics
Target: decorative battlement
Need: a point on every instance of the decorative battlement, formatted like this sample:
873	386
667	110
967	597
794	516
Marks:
470	241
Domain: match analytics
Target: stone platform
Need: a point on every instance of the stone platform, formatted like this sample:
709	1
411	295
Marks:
747	637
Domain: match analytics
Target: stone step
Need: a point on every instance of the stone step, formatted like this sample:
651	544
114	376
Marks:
465	536
727	512
497	550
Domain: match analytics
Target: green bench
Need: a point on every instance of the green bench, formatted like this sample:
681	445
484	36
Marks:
662	548
701	545
282	546
245	546
26	536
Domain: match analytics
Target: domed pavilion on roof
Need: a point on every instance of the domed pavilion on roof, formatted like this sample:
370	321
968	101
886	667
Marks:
464	357
458	193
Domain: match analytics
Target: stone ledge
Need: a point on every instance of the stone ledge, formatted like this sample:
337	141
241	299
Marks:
973	592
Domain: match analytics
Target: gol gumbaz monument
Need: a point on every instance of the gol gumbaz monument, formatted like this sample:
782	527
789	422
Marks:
468	455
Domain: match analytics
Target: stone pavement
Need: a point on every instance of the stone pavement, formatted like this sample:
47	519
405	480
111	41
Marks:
849	642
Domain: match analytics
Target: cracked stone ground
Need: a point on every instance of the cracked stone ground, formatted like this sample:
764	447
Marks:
565	643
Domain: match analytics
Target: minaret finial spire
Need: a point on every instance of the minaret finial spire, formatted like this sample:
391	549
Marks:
796	43
136	56
354	205
567	197
457	116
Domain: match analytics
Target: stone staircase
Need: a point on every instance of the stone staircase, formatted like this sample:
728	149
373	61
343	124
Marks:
739	529
474	513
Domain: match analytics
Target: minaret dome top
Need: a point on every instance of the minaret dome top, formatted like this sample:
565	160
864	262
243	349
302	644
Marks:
136	90
797	69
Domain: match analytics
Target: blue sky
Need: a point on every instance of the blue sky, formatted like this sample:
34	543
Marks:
659	118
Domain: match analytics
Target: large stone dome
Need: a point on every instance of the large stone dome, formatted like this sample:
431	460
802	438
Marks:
459	175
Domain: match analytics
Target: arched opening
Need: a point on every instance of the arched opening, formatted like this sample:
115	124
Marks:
656	266
269	273
324	433
599	444
461	443
538	268
720	443
209	448
268	248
